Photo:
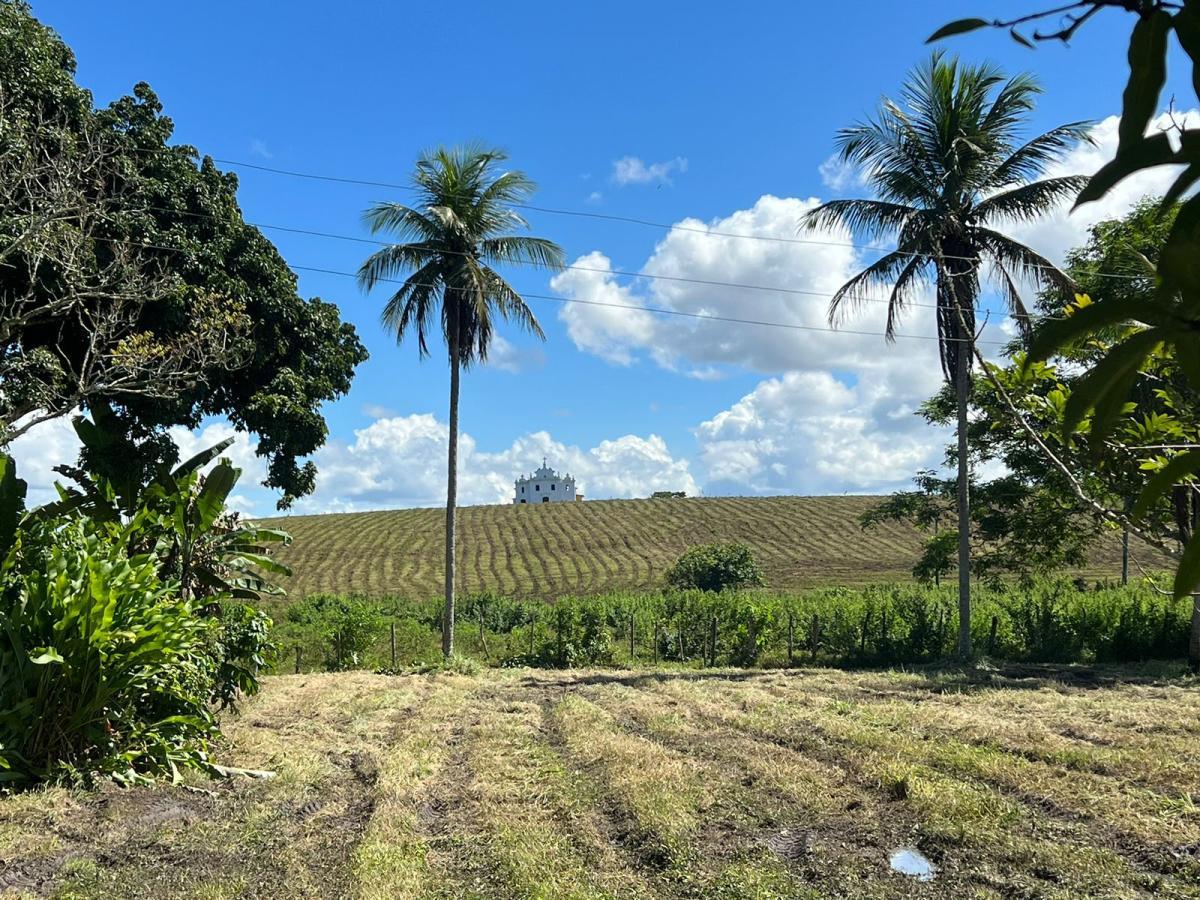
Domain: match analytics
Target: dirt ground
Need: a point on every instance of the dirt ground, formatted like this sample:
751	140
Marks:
1032	782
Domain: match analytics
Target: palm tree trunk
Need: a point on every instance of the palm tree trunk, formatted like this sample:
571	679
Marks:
451	499
962	386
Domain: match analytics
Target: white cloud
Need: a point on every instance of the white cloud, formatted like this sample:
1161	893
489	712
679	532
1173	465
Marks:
632	170
38	451
54	443
841	417
401	462
259	147
1055	234
838	175
508	357
811	433
595	197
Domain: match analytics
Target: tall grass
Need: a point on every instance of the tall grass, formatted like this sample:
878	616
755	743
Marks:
1052	621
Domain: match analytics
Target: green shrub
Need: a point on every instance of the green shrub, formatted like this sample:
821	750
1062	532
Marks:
104	669
715	567
344	628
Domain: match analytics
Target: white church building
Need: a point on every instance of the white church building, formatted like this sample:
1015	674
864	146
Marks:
545	486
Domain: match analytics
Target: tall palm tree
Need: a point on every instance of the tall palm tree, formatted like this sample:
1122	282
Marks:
460	225
947	166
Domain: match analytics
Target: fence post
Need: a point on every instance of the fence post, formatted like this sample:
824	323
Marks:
992	636
791	637
712	642
862	644
298	652
393	646
656	642
814	637
483	635
632	635
337	649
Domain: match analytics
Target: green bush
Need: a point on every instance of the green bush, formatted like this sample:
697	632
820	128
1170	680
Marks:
104	669
343	628
715	567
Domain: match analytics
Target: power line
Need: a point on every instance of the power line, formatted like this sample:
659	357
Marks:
289	229
675	312
631	220
659	310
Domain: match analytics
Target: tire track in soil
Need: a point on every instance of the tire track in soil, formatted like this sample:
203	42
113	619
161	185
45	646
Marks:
615	824
828	747
860	836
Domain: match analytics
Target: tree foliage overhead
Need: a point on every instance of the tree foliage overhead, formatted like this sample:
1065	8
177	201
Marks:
130	275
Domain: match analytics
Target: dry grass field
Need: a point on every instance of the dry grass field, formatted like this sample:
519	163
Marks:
624	784
599	546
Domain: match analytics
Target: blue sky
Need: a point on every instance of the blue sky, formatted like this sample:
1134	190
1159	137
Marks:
663	112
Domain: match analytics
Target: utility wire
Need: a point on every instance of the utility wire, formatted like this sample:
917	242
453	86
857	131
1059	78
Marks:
659	310
627	219
290	229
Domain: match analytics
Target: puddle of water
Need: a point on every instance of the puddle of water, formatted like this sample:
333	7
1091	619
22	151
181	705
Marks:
911	862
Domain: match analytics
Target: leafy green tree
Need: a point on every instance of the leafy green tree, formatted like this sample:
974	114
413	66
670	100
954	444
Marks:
459	228
129	275
948	166
1166	327
715	567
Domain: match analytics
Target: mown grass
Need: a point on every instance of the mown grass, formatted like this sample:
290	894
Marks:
1038	782
549	550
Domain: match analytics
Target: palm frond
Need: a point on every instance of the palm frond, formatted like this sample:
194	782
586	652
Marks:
1029	202
522	249
885	272
1029	160
866	219
1021	260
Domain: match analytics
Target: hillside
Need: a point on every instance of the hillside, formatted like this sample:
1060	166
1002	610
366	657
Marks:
602	545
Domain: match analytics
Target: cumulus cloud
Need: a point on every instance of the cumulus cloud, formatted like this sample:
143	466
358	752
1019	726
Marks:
632	170
508	357
1053	235
811	433
699	268
401	462
839	175
38	451
840	417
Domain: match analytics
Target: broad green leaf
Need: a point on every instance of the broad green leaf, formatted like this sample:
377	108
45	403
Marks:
1147	73
1020	38
1187	576
203	458
1187	355
1143	152
211	501
1088	318
47	656
1106	387
1178	468
1187	30
12	501
1178	261
958	26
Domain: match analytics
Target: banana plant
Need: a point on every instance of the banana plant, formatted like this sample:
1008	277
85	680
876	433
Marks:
180	516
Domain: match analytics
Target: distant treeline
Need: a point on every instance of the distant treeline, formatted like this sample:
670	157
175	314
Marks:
1051	621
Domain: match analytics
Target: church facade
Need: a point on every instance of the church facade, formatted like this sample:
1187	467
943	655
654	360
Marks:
545	486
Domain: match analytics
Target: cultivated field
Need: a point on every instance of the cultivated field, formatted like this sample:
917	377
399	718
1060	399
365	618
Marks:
618	784
599	546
